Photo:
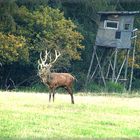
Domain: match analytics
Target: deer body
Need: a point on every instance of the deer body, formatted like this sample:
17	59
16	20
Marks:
60	79
54	80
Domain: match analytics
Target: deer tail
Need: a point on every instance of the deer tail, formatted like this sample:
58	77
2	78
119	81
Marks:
75	79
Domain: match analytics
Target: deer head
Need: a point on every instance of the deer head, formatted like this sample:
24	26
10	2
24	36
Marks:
45	64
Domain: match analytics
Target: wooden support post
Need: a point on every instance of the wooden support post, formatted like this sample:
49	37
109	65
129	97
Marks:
100	68
132	68
110	66
94	72
90	67
96	68
120	70
126	68
114	67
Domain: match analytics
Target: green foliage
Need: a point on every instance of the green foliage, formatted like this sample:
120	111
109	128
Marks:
136	84
38	87
114	87
94	87
60	33
12	48
32	4
79	83
110	87
7	9
39	24
49	29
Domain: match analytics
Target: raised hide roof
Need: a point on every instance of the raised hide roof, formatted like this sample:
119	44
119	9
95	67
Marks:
118	12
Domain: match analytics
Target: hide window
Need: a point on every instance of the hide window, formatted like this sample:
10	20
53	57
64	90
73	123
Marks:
126	26
108	24
118	35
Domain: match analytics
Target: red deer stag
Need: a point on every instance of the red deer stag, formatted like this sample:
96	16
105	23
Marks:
54	80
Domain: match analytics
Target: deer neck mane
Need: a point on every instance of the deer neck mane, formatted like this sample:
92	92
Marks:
48	76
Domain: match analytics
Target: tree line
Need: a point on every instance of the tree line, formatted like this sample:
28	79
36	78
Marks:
27	27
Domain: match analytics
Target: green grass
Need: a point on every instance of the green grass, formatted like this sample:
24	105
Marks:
30	116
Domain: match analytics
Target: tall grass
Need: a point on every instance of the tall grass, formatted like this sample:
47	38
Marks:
30	116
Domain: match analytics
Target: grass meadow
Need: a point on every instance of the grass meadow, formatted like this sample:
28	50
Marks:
30	116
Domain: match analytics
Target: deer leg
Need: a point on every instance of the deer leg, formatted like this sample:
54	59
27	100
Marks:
50	91
53	91
71	94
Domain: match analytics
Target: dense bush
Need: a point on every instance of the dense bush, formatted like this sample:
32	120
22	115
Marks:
114	87
110	87
93	87
38	87
136	84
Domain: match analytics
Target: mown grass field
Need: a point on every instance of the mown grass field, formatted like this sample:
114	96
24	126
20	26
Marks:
31	116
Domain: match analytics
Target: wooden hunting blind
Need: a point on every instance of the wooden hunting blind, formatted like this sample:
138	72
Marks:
115	29
115	37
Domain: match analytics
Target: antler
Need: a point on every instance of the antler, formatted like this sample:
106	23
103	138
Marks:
57	54
45	58
42	62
